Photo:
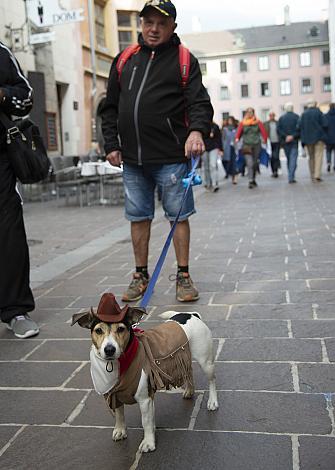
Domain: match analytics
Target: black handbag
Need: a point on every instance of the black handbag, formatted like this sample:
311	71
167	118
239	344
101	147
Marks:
25	150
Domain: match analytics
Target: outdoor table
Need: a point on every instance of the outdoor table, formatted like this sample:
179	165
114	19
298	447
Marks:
101	169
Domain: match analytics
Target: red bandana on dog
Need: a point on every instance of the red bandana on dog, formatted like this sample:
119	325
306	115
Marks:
127	357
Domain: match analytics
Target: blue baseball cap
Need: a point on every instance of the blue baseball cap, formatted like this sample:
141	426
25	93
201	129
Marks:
165	7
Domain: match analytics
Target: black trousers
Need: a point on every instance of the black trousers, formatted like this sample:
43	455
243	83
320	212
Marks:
15	293
275	162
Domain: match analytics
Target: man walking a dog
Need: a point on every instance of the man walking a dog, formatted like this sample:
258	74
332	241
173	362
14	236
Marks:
153	122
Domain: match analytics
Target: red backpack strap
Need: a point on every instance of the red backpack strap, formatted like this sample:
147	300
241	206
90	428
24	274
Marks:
125	56
184	62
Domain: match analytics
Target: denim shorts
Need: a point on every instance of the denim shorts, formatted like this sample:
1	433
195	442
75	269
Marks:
140	183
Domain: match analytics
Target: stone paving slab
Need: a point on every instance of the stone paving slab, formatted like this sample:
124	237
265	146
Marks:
317	453
249	298
330	345
37	406
267	412
274	349
6	433
317	378
247	376
70	449
219	451
14	350
273	312
249	328
314	329
63	351
35	374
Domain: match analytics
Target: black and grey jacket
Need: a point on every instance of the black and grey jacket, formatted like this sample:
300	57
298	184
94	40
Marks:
144	114
16	101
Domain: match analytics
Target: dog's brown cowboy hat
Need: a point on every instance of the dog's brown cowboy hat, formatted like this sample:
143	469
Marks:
109	311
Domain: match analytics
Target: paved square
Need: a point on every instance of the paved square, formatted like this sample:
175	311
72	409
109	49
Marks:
264	262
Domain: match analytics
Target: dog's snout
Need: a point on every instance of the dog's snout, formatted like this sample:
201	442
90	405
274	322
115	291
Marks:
109	350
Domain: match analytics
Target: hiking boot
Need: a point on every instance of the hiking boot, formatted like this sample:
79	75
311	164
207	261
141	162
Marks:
136	288
185	290
23	326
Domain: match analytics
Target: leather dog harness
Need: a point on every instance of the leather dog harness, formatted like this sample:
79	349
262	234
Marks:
163	353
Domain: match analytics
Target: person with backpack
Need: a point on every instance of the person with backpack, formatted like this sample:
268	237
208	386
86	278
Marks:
155	117
252	130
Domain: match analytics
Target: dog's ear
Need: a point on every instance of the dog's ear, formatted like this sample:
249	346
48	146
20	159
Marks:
134	314
84	319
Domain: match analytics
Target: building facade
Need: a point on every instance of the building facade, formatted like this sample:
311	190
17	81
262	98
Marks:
112	25
264	67
70	74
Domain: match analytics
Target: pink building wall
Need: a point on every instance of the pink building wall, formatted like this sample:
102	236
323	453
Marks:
233	78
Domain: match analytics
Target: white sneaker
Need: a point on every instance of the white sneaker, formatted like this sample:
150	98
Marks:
23	326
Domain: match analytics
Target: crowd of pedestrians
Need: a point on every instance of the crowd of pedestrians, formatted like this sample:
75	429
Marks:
241	145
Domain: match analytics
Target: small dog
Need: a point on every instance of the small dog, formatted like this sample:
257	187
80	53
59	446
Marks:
113	337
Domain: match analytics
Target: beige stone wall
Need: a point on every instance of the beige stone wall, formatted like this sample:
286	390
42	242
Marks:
103	56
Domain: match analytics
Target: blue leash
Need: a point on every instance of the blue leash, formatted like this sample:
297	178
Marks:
192	179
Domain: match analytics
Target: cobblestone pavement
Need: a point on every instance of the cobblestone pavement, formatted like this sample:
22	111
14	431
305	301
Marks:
264	261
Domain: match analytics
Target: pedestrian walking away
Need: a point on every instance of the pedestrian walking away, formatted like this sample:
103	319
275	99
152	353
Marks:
330	148
16	298
229	152
312	126
146	126
214	150
289	137
272	132
252	130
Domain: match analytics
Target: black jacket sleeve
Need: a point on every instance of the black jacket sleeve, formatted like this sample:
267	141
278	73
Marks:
198	105
16	90
109	112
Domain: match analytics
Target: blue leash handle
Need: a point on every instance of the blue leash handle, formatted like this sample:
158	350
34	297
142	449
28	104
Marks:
148	293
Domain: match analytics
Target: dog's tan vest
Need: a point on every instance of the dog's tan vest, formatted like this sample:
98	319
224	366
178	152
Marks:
164	354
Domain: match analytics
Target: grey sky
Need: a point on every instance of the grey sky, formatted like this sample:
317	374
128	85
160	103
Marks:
225	14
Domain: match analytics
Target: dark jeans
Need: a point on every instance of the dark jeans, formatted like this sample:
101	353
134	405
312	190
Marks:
291	152
329	149
230	165
275	162
15	294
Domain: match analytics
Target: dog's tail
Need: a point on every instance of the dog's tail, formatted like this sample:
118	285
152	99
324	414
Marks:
171	313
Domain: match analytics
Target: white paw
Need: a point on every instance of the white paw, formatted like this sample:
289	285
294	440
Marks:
212	405
147	445
119	434
188	394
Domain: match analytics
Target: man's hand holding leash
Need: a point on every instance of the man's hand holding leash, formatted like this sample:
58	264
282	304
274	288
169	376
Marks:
194	144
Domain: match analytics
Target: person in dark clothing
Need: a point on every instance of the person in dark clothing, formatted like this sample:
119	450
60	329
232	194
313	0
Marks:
289	135
214	149
330	147
16	298
312	126
271	130
229	152
154	125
